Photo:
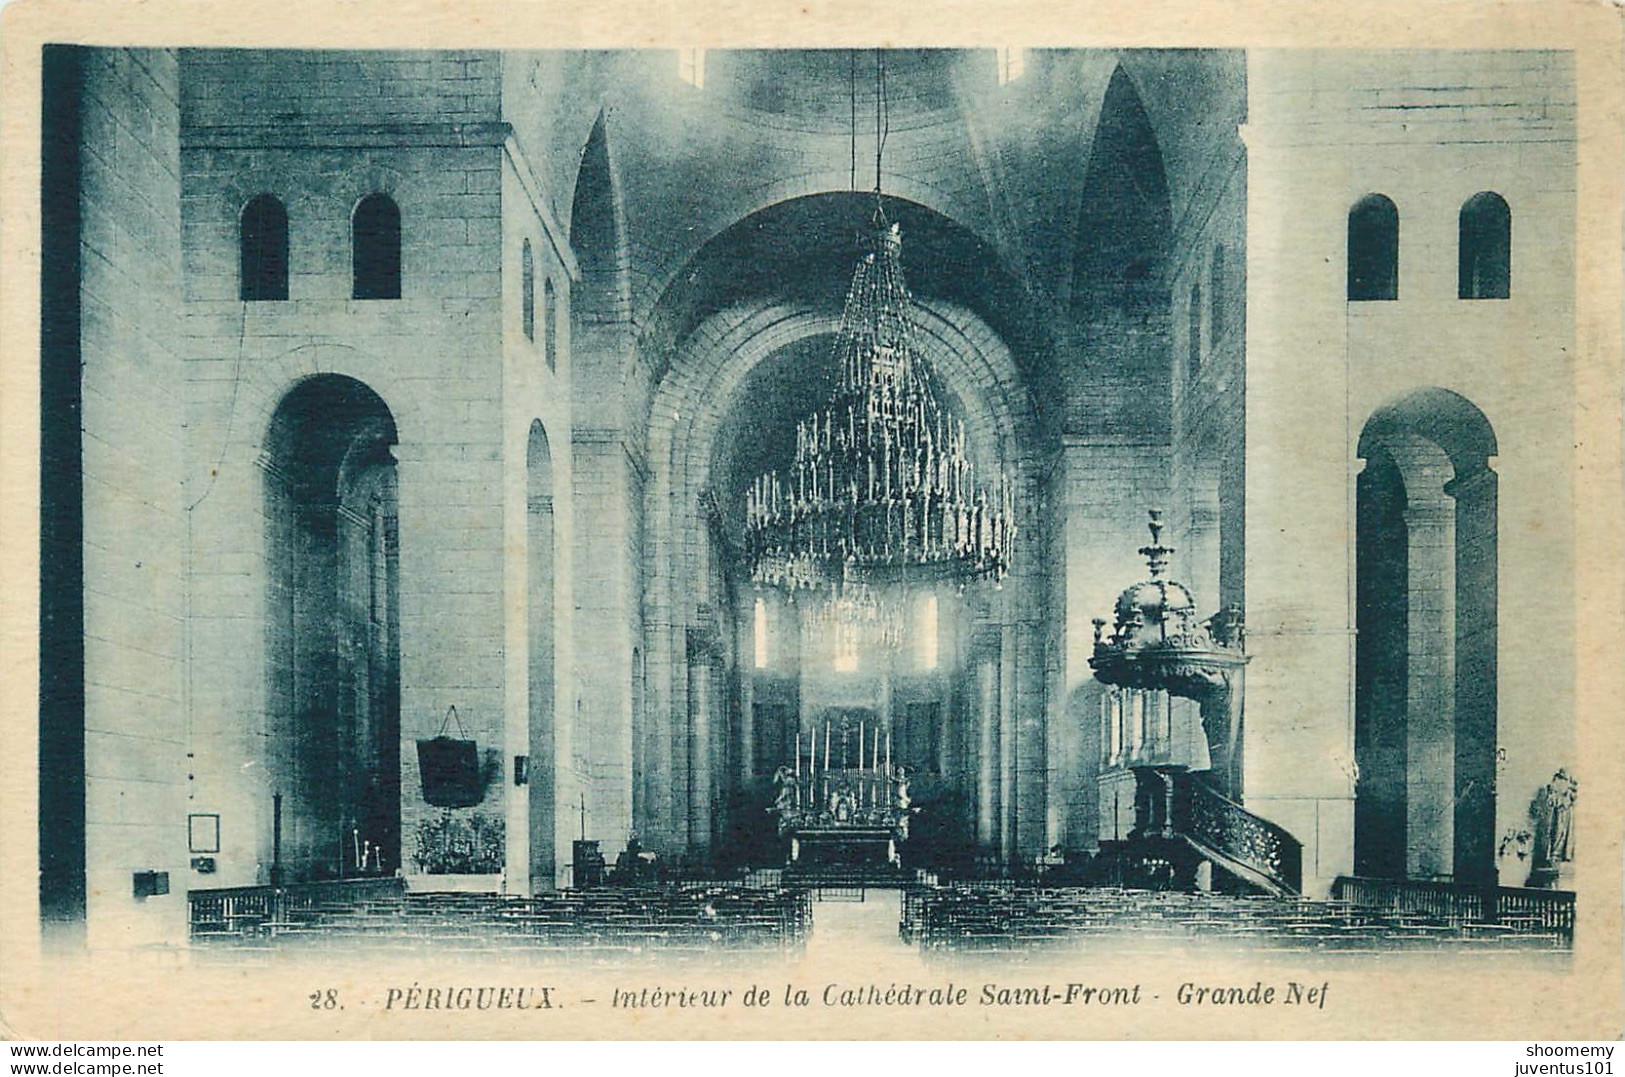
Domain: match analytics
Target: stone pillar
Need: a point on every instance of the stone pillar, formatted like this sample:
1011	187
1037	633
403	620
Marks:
1430	662
1476	674
701	697
987	716
1008	745
603	485
1299	479
541	823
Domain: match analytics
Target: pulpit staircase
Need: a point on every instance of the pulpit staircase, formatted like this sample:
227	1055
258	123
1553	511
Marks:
1182	821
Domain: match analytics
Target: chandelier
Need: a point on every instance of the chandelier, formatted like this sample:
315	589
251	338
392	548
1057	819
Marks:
882	492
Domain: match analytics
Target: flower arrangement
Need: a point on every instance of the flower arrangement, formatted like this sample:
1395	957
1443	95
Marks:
456	842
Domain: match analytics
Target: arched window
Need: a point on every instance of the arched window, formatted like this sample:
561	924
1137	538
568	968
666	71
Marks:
263	250
928	632
1193	335
527	288
1373	249
376	241
691	67
1485	266
550	326
759	634
1218	300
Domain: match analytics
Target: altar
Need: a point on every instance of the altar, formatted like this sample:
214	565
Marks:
845	806
843	847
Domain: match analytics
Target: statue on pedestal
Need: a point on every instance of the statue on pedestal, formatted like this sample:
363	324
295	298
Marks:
784	800
1553	815
900	800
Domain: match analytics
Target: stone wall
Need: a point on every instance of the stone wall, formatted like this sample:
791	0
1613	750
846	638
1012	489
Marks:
136	605
435	357
1226	380
1429	130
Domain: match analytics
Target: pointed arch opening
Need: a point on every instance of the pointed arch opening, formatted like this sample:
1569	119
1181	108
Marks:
602	295
333	631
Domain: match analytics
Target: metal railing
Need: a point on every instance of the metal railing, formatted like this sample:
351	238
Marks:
1545	910
245	909
1203	814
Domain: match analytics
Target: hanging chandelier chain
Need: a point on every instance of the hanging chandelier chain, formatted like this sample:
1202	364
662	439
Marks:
880	96
852	55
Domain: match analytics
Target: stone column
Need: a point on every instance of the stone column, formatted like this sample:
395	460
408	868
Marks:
1476	674
1299	477
987	787
1008	746
1430	696
701	698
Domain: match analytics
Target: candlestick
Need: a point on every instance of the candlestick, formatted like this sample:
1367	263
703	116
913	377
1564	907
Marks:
888	752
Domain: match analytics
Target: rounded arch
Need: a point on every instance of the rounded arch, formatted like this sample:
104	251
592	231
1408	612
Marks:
764	204
765	256
1484	248
263	249
687	578
375	247
1426	620
541	612
1373	249
267	383
1444	417
322	419
332	633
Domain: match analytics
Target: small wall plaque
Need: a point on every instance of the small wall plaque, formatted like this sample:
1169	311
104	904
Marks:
151	883
203	833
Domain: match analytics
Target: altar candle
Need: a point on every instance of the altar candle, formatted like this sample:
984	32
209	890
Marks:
355	843
826	747
888	752
874	763
860	743
798	759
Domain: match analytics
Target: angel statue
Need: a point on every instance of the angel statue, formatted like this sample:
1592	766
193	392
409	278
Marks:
784	801
901	801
